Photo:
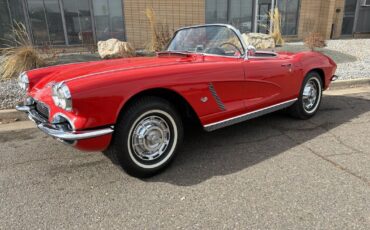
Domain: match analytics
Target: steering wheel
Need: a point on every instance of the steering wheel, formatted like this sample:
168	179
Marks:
233	45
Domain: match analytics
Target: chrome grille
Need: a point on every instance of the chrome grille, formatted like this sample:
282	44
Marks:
42	109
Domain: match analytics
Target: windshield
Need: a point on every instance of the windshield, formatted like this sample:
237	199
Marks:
218	40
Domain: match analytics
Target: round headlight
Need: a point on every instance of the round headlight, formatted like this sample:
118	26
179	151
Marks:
23	81
62	96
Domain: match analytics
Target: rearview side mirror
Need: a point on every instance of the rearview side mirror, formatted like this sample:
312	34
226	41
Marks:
251	50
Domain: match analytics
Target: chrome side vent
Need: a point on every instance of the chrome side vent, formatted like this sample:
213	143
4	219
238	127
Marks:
216	97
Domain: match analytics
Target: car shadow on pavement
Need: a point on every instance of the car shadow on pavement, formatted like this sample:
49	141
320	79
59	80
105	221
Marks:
204	155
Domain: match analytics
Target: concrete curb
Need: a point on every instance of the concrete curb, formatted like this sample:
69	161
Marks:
345	84
12	114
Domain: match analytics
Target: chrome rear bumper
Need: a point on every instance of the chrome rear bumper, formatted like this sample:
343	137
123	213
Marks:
58	130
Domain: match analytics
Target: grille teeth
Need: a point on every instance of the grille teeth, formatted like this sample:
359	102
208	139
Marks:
42	109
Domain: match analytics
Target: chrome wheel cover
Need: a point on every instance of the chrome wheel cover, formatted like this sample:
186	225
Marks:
150	138
311	95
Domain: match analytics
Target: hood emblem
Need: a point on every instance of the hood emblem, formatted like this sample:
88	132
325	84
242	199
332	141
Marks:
204	99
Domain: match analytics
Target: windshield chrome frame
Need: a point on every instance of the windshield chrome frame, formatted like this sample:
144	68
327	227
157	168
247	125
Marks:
232	28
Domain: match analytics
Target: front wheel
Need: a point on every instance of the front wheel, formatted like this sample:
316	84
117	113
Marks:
309	97
147	136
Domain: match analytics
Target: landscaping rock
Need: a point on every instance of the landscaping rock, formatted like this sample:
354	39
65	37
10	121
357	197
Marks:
360	68
114	48
258	40
10	94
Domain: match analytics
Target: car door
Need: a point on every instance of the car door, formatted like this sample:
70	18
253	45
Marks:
267	81
225	88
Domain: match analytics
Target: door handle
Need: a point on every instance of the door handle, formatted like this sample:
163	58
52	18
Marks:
286	65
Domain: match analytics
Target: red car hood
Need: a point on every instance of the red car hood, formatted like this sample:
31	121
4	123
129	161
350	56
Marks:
83	70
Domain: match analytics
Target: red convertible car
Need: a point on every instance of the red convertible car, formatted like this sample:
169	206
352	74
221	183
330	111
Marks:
135	107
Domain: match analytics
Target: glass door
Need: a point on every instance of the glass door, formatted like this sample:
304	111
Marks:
54	22
240	14
46	22
109	22
78	21
262	17
36	12
5	21
363	19
349	17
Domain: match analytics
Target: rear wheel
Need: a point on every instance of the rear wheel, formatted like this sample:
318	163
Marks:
147	136
309	97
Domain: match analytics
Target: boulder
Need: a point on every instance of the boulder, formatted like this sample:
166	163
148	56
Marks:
258	40
114	48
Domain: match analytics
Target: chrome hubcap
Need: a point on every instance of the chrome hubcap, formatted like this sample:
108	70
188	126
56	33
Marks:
150	138
310	95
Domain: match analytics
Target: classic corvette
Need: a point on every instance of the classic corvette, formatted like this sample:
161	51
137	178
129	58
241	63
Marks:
136	107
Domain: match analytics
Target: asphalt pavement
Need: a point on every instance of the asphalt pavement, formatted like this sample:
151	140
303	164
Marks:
272	172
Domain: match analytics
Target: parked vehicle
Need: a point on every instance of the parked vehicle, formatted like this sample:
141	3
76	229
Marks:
135	107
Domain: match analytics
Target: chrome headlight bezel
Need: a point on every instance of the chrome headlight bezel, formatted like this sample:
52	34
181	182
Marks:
62	96
23	81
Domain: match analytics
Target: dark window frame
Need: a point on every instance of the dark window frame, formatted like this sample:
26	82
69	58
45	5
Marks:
254	5
296	19
27	21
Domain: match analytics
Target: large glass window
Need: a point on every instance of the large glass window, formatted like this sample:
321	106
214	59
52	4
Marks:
16	11
235	12
108	19
349	16
38	21
363	20
243	14
78	21
240	14
4	21
54	22
46	21
263	16
289	10
61	22
216	11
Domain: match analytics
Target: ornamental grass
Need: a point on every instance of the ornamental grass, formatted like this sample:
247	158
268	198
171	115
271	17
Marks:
314	40
160	33
275	18
19	54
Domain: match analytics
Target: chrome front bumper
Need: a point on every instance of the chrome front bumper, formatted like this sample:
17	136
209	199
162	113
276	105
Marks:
57	130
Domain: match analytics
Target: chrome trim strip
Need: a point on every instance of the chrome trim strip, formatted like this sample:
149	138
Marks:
334	78
72	136
65	117
64	135
248	116
216	97
274	55
33	115
22	108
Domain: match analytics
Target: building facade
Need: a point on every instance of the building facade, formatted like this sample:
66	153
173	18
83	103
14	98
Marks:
72	22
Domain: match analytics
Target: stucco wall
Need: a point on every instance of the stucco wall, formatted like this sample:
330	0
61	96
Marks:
338	18
173	13
316	16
